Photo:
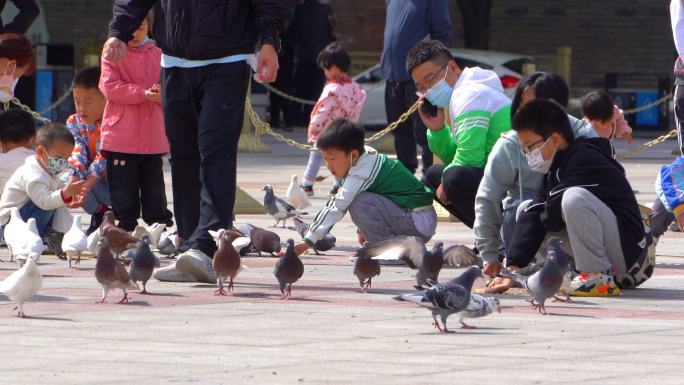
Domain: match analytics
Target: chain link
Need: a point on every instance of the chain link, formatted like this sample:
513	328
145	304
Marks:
26	108
647	145
288	96
265	128
649	105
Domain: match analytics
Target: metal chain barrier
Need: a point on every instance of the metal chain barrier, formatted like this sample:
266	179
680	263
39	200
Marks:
26	108
265	128
649	105
647	145
58	102
288	96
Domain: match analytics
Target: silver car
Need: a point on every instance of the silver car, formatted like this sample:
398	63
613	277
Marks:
508	66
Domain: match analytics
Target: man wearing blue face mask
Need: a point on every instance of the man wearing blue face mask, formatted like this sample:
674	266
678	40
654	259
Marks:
479	112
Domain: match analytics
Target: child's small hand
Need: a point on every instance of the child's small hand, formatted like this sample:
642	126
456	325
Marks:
628	137
73	188
300	248
153	96
89	184
77	201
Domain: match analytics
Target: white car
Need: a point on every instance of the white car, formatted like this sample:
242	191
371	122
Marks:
508	66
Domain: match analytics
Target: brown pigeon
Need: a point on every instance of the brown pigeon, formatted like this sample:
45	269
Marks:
119	239
226	260
264	241
288	269
110	273
365	269
460	255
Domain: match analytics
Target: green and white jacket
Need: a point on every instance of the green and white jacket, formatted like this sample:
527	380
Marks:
374	173
480	112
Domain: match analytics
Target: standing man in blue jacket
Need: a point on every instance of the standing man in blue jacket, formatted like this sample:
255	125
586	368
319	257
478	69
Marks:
407	23
204	79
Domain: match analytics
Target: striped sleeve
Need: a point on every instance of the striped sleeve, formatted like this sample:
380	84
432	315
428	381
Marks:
471	138
360	178
78	161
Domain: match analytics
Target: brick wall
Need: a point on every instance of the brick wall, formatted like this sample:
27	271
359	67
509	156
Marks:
605	36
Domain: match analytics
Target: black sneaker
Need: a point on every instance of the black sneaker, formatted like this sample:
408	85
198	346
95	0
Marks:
308	189
95	222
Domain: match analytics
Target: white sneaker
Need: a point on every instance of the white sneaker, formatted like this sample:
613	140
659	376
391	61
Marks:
171	274
197	265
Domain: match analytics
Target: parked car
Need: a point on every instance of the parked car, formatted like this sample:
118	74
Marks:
508	66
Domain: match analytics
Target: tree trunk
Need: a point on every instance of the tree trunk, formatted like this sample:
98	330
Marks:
475	15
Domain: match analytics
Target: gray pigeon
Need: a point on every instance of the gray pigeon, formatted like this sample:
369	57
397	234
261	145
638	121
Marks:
478	307
325	244
263	240
462	256
143	263
546	282
278	208
445	299
288	270
412	251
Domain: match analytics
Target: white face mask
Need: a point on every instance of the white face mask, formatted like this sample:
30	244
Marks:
537	162
8	83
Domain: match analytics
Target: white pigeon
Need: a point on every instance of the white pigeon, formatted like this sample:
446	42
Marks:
14	230
93	239
23	284
479	306
296	196
75	242
155	231
29	241
167	242
140	232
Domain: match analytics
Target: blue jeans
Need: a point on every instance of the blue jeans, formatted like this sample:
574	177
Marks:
315	162
98	196
43	217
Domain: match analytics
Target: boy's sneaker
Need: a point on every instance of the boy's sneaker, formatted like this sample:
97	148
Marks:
592	285
171	274
197	265
308	189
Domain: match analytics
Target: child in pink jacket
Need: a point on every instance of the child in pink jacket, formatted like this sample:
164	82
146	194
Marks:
608	121
133	137
341	98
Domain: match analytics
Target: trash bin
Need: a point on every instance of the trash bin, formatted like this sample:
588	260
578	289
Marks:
631	98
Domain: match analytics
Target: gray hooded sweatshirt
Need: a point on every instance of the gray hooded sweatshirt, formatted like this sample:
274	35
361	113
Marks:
506	178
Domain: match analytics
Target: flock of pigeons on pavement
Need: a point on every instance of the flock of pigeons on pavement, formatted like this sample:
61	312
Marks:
115	248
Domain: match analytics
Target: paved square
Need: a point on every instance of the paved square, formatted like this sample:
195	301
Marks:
328	332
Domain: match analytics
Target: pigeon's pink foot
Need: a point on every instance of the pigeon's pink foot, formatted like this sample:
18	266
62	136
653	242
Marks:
542	309
219	291
466	326
144	291
567	299
436	324
102	300
124	299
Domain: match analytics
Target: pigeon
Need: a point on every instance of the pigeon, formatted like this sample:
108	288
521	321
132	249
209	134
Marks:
14	230
296	196
288	269
118	239
325	244
278	208
111	274
139	232
462	256
478	307
226	259
412	251
29	242
445	299
546	282
143	263
75	241
264	241
155	231
23	284
365	269
93	239
167	242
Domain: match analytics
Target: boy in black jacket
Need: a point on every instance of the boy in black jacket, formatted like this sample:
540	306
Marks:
585	192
